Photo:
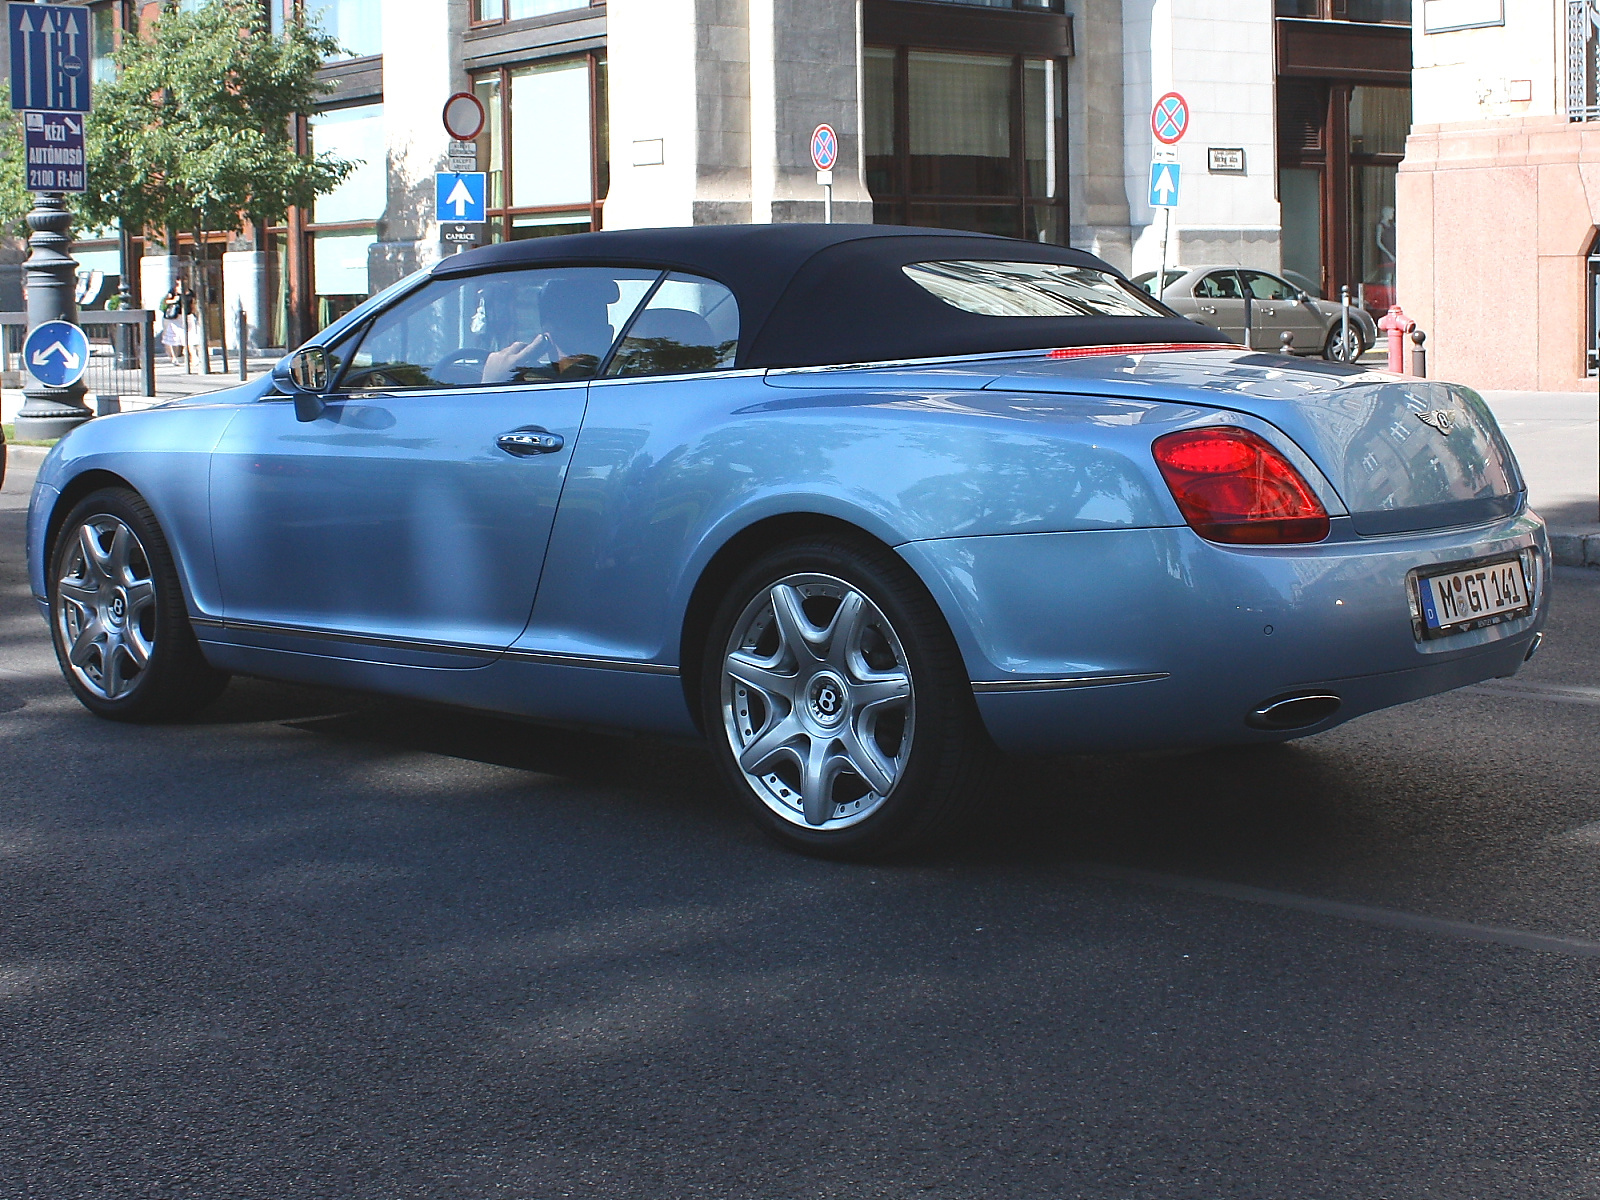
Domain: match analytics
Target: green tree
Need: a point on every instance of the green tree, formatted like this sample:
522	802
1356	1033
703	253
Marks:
196	131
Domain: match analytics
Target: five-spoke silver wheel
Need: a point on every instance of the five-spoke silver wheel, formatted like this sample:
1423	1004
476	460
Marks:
106	607
818	701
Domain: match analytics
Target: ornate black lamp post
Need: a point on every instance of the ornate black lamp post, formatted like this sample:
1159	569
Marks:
51	280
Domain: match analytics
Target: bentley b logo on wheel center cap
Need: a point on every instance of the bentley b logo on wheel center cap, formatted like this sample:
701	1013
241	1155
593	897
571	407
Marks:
827	695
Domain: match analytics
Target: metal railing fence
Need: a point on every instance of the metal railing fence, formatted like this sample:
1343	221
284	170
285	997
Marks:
122	350
1583	61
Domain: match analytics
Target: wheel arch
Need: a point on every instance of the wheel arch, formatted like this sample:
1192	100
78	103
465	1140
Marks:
74	490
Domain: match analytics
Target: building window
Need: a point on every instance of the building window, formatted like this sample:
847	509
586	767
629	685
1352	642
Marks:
1583	60
1592	365
1367	12
1026	5
1339	151
344	222
544	146
493	11
1370	12
358	24
104	33
965	141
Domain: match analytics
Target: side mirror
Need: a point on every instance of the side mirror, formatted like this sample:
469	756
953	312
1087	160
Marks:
304	376
1305	297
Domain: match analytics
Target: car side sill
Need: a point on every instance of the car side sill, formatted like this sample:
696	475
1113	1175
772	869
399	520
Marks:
1072	681
415	644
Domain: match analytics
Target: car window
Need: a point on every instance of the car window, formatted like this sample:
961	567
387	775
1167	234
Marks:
1219	285
1268	287
529	326
1026	289
690	324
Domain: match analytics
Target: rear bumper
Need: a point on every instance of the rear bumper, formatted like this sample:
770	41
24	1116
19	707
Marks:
1156	639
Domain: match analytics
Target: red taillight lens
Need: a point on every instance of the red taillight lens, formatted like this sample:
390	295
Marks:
1233	486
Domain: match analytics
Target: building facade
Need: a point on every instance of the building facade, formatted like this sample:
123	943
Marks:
1029	118
1499	193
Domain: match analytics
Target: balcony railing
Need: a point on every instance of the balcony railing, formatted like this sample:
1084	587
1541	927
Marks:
1583	60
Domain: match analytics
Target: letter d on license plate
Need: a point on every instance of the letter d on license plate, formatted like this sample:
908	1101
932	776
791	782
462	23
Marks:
1454	601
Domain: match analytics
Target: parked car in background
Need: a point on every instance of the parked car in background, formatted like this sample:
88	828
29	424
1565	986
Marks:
1234	298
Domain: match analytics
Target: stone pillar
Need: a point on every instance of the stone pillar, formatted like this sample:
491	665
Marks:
49	412
651	52
816	78
244	286
422	60
157	274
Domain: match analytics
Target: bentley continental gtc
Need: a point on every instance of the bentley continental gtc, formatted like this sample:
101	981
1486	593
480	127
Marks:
860	506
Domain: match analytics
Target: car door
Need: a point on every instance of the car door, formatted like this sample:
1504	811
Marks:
1276	309
1219	302
417	509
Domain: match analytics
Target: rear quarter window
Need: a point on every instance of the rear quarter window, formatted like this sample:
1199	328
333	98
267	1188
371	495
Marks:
1024	289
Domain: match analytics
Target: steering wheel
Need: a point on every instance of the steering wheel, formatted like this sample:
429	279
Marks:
460	367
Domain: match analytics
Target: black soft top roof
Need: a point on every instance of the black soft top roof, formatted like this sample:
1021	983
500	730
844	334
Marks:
816	295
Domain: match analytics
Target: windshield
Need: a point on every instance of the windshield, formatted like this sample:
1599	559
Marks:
1024	289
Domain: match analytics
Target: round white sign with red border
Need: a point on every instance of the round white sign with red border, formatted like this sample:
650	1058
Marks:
463	116
824	147
1169	120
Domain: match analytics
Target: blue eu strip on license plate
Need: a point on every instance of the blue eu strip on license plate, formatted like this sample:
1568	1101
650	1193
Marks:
1472	597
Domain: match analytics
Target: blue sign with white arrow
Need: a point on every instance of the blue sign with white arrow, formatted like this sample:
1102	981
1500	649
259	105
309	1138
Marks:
458	196
1164	180
56	353
49	57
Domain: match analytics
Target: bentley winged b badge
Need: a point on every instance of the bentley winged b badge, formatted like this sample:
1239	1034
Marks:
1441	419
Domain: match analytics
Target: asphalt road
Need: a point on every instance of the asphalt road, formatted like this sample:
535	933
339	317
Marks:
317	945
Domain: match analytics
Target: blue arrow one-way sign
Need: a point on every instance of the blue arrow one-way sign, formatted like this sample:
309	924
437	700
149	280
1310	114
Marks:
1164	179
458	196
49	57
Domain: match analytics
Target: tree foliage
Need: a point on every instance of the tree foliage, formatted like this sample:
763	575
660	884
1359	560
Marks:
195	131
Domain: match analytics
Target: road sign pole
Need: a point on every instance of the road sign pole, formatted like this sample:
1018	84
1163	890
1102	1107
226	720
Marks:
50	412
1166	233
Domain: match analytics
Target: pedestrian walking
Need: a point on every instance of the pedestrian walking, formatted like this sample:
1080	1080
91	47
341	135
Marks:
176	309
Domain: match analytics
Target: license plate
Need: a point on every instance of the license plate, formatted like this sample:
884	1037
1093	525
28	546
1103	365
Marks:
1470	598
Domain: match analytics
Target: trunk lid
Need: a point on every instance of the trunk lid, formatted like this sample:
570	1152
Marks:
1404	454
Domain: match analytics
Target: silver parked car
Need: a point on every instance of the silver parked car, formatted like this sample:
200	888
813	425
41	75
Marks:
1256	308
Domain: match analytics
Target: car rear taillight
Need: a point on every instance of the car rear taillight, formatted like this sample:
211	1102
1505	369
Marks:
1233	486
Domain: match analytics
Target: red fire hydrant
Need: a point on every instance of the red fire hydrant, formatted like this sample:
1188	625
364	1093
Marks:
1396	326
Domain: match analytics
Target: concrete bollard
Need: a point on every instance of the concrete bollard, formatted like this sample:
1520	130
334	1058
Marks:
105	405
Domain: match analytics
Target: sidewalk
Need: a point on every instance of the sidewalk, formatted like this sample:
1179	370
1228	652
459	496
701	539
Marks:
1556	436
172	383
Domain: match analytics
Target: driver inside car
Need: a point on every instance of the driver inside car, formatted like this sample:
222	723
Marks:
577	332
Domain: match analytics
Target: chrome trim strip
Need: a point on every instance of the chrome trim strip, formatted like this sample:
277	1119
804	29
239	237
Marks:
981	686
416	644
587	660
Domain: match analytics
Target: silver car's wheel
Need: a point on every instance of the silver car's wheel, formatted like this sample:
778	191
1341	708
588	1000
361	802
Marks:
839	708
1340	347
106	607
117	614
818	702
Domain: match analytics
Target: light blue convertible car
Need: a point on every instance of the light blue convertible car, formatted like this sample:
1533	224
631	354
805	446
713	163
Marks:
857	504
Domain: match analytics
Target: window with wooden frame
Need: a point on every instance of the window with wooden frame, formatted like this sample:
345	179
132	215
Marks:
959	140
544	146
494	12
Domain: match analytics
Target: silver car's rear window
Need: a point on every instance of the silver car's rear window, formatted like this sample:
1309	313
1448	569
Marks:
1026	289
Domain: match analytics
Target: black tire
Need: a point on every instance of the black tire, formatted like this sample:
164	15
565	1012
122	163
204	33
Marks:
133	609
931	747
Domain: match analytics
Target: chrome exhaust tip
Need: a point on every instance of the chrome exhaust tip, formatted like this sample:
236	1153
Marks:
1295	712
1533	647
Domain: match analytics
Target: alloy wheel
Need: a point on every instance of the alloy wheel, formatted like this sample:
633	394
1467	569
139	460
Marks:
817	701
106	607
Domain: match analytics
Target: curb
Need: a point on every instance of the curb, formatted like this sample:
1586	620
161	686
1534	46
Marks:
1575	547
32	456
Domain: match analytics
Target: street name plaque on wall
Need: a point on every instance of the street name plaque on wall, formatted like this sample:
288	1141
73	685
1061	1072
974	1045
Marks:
1446	16
1225	160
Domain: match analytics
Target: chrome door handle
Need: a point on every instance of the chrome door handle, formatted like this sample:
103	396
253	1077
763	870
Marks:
1208	308
525	443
